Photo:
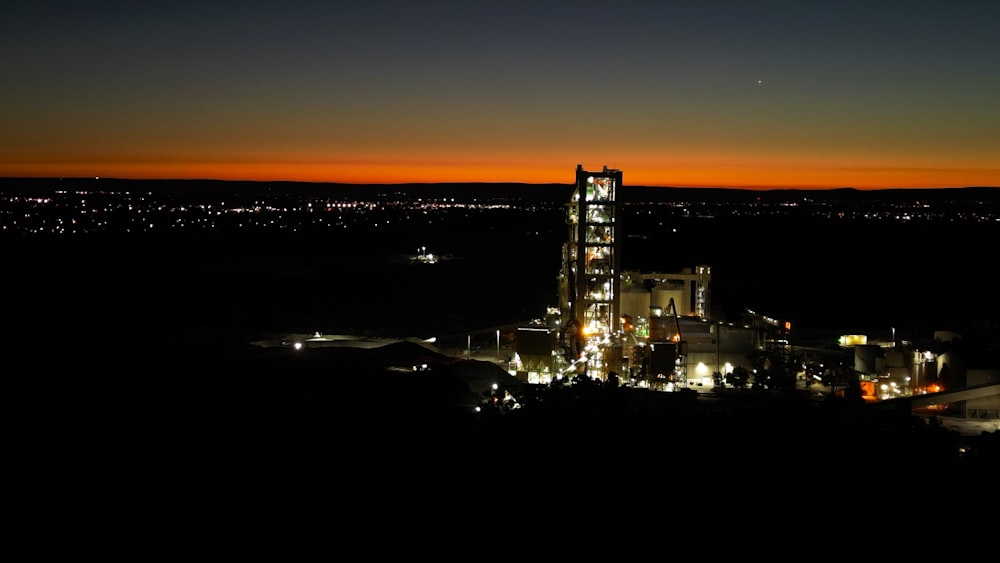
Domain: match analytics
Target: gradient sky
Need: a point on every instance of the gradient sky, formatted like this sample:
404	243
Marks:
748	93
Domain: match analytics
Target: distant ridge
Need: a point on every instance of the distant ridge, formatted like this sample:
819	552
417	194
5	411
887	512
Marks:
972	193
473	191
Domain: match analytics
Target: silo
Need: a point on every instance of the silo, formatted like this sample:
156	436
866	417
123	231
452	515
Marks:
661	295
635	301
865	358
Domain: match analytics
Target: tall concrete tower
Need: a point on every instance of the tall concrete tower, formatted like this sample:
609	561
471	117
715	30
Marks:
589	282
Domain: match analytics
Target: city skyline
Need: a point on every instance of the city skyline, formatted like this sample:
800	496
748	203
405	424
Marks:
718	94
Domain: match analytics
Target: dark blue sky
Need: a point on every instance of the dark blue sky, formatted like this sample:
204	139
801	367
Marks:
799	94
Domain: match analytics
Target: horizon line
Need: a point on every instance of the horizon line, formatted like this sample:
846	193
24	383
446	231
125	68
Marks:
482	182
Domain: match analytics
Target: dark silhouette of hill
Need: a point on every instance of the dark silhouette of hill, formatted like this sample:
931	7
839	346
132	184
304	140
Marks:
855	274
361	192
268	452
478	191
190	440
833	195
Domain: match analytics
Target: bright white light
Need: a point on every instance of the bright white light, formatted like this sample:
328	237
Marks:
298	345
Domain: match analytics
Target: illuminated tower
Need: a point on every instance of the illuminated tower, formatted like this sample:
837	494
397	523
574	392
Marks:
589	282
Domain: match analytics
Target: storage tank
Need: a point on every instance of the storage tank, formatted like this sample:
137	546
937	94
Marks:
663	293
635	301
866	358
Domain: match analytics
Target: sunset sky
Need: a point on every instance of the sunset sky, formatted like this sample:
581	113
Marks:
872	94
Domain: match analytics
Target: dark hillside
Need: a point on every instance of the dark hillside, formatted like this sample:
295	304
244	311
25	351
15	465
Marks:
269	452
189	439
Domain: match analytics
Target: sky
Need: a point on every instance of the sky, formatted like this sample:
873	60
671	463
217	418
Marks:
753	94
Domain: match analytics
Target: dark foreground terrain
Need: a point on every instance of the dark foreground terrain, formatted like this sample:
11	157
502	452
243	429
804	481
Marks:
282	454
169	435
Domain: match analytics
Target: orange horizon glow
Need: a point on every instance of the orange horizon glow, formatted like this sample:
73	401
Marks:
764	176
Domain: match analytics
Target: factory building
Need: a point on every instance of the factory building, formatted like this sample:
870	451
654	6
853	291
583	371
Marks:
644	328
589	284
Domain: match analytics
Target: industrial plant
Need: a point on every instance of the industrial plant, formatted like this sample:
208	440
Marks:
654	327
647	329
655	330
